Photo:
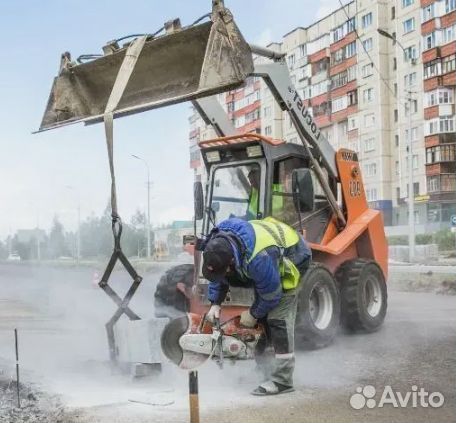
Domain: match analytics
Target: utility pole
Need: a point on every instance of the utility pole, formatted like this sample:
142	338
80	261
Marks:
38	244
78	233
411	191
148	204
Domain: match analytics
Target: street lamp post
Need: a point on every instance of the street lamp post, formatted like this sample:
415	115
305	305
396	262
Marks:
411	191
148	203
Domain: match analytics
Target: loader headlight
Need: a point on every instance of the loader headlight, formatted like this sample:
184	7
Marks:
213	156
254	151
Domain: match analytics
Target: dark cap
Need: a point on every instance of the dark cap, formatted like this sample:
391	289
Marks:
217	256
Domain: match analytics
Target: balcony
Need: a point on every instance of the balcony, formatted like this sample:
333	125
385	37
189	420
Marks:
439	139
442	188
342	65
441	159
319	77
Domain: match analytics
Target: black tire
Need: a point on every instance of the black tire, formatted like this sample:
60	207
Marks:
168	296
364	297
317	319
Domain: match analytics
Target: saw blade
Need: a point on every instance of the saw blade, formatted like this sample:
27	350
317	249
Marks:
171	347
170	338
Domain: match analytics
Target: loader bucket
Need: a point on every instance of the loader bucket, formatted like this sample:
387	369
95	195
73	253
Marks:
185	64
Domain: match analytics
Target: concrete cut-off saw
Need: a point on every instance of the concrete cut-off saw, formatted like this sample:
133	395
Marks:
190	340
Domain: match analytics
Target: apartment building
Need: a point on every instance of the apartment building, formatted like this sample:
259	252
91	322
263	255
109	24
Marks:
438	30
376	97
243	106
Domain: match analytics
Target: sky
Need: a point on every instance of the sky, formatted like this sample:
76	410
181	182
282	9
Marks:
54	172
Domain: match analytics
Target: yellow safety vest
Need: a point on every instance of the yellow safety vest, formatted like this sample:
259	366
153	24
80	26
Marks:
269	232
277	201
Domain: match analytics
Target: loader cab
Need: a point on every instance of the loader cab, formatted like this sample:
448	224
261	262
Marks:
251	177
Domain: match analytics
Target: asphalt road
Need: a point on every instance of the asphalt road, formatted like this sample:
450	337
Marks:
60	316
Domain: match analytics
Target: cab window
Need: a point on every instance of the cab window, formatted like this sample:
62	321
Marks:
283	208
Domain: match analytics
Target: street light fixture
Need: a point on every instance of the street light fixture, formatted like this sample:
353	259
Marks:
411	191
148	203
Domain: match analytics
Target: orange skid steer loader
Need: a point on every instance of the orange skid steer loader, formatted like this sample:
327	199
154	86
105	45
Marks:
310	186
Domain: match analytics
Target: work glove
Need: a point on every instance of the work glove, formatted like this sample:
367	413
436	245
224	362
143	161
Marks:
247	320
213	313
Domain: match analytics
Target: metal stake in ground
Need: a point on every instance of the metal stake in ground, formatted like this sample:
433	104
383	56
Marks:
193	396
17	368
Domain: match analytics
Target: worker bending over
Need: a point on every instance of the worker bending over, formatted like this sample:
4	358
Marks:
270	257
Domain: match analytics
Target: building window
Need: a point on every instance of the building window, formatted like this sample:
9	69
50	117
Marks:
410	53
366	70
369	144
433	183
408	25
427	12
368	95
342	30
352	97
321	109
338	104
350	49
414	107
339	80
267	111
414	134
439	96
396	140
393	13
367	44
351	73
366	20
320	66
444	124
406	3
429	41
240	121
291	60
441	153
415	161
370	169
394	63
352	124
444	182
396	167
396	115
369	120
448	34
432	69
252	116
450	5
371	194
410	79
449	63
320	88
268	130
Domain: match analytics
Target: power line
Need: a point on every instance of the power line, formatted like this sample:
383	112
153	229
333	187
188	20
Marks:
368	54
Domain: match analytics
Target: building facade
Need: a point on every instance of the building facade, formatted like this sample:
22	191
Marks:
380	98
438	30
